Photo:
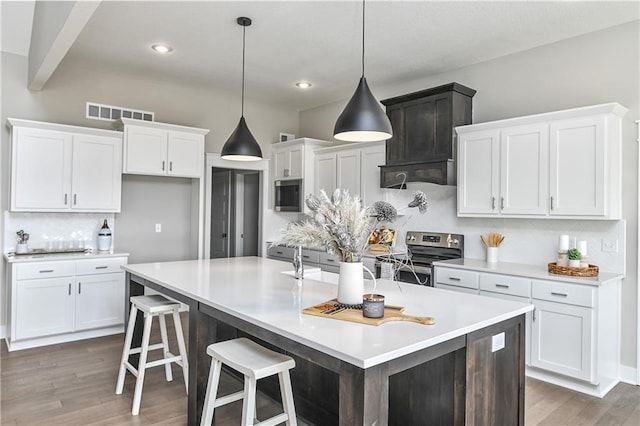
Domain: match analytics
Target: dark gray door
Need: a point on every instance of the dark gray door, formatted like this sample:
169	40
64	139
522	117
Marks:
251	214
220	203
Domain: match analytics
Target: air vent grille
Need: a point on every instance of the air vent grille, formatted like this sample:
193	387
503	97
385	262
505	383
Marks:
113	113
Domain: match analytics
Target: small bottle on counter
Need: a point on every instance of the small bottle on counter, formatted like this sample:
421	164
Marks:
104	237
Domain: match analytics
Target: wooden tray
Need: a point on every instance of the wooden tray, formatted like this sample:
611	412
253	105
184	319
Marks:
391	313
590	271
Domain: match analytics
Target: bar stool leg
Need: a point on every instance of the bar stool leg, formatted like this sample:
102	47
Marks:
287	397
165	347
212	390
137	394
182	348
125	350
249	405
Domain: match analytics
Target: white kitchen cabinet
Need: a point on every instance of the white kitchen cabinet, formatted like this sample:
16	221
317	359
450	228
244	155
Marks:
573	334
564	164
65	300
162	149
44	307
58	168
288	161
578	162
353	167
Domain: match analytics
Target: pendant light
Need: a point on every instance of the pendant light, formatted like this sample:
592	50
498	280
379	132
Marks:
363	119
241	145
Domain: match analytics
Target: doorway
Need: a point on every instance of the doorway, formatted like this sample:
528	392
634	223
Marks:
235	213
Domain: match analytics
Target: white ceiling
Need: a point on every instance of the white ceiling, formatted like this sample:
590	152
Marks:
320	41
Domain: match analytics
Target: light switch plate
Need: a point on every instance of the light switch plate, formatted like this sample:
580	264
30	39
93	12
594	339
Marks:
158	227
497	342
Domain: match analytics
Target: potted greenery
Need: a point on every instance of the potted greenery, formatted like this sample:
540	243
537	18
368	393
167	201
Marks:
574	257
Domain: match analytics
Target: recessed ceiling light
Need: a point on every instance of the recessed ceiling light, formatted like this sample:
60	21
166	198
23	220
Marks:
303	84
161	48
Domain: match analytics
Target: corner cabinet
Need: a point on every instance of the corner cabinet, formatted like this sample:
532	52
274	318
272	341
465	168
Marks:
573	333
65	300
60	168
354	167
564	164
162	149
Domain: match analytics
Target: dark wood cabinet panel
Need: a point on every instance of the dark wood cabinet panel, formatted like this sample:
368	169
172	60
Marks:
423	124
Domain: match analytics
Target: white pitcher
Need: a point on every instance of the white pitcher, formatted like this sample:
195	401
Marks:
351	282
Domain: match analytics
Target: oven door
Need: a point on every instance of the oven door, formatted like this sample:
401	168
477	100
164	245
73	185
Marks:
417	274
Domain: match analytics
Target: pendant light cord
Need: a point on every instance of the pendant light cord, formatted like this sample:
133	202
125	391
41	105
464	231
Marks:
244	32
363	38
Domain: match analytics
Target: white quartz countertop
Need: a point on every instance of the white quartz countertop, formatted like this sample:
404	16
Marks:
24	258
523	270
256	290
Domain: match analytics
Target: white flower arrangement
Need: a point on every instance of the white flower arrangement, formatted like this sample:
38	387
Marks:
340	224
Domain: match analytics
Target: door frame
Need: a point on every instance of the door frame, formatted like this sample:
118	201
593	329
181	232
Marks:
214	160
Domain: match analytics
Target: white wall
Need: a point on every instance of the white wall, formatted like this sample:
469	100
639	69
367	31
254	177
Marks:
63	101
595	68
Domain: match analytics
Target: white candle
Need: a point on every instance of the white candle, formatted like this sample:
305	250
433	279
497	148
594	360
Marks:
582	248
563	244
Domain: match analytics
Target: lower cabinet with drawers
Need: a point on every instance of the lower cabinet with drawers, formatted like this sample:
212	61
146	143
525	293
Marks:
573	334
311	258
58	301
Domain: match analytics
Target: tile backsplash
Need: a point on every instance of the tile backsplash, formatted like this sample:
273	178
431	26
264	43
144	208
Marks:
56	230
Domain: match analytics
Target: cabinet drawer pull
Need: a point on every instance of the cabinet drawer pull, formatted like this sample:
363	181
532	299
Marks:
279	252
304	256
501	203
551	203
101	267
163	165
75	199
69	289
65	199
331	260
454	278
558	294
79	287
493	203
170	166
502	286
45	271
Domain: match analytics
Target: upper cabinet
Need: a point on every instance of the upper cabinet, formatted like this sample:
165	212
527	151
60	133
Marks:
564	164
59	168
288	161
422	146
162	149
353	167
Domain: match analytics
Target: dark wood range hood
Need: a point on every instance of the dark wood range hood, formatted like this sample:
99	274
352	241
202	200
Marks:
422	148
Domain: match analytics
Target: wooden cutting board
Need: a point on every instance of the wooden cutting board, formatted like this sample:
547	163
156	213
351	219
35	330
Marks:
391	313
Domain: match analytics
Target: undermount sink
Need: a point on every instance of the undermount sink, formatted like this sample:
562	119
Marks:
317	274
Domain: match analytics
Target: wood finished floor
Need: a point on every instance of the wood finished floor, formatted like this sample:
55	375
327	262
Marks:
74	384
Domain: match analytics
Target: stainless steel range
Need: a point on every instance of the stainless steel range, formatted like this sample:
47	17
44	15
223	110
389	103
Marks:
423	248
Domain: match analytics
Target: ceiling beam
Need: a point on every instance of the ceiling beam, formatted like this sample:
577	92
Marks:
56	26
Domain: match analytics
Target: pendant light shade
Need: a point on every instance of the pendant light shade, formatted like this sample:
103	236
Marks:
363	119
241	145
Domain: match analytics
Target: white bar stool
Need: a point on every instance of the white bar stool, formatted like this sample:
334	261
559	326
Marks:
255	362
151	306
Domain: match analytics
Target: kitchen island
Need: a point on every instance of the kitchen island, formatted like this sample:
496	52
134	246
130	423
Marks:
468	368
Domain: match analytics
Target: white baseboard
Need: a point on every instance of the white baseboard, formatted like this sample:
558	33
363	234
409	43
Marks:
629	375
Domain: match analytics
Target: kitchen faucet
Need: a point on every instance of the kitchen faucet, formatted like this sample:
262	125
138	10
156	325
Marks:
298	266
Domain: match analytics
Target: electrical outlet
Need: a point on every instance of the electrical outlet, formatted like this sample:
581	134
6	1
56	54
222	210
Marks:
497	342
158	227
609	246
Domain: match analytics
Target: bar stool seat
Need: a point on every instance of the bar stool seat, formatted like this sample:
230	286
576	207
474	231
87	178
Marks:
151	306
254	362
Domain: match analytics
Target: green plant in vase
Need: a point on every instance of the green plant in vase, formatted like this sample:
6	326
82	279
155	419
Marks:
574	254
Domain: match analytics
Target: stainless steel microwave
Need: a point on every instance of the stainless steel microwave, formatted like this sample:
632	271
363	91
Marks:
288	195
